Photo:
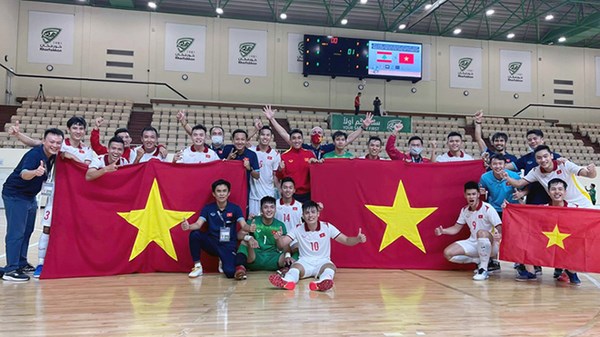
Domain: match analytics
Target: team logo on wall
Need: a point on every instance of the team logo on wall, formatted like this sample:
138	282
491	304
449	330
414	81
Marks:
515	75
246	49
184	43
300	57
48	36
463	65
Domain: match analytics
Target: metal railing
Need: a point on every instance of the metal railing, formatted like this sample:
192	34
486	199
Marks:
562	106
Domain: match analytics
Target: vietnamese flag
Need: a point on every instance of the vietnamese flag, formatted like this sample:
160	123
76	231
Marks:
560	237
405	58
384	56
397	205
128	221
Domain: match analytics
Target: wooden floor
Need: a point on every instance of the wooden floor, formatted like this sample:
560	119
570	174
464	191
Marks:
362	303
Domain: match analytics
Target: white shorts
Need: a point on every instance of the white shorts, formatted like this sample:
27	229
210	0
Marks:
312	267
47	217
254	207
470	248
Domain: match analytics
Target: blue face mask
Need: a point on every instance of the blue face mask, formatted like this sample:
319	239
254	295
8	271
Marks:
416	150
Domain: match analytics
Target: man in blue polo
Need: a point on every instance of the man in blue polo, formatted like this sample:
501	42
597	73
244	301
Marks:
221	237
498	190
18	194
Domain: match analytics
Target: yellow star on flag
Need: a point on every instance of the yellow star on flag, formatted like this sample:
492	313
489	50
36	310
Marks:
401	220
556	238
154	223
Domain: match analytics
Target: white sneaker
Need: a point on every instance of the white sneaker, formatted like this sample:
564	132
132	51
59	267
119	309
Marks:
220	266
481	275
196	271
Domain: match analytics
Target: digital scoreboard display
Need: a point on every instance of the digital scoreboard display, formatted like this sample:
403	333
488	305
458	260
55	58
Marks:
362	58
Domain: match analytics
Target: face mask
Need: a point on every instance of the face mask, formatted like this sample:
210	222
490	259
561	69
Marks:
217	140
316	139
416	150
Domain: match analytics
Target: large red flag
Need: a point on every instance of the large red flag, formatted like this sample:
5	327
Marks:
561	237
128	221
397	205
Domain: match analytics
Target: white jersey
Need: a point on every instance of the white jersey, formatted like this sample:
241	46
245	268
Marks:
102	161
568	171
268	161
448	157
484	218
191	156
290	215
147	156
314	245
83	153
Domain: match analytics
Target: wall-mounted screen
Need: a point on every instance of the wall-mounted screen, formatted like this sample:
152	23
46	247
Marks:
339	56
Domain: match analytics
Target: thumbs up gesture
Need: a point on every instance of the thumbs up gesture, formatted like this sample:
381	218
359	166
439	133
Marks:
185	225
361	237
14	129
41	170
278	234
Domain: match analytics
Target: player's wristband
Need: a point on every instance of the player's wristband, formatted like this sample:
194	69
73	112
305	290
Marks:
247	238
288	255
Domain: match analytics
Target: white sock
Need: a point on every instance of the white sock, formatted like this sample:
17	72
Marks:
198	265
484	247
464	259
293	275
42	247
327	274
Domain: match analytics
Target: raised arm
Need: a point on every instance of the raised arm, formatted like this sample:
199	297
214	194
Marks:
23	138
478	136
363	127
351	241
270	114
183	121
588	171
390	145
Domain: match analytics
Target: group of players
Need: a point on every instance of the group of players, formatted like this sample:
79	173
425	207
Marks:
286	234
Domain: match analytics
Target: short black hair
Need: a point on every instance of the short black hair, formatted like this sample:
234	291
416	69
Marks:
116	139
338	134
498	156
292	131
221	182
288	180
121	130
199	127
216	127
54	131
536	132
308	205
500	135
417	138
267	200
239	131
454	134
471	185
541	148
265	127
76	120
557	181
374	138
150	128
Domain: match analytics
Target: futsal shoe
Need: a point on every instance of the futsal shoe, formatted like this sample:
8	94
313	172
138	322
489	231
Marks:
481	275
493	266
196	271
279	282
321	286
240	273
557	273
526	276
538	270
28	269
573	278
38	271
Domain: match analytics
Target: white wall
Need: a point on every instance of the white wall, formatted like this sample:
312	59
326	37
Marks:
98	29
9	16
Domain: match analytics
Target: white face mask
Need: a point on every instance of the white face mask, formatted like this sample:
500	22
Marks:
416	150
217	140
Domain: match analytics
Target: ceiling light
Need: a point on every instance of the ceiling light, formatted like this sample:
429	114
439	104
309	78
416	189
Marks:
490	12
562	39
152	4
344	21
362	2
457	31
219	10
402	26
428	6
283	16
549	17
510	35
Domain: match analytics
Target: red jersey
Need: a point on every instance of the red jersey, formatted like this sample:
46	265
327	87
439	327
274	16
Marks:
394	154
296	167
101	149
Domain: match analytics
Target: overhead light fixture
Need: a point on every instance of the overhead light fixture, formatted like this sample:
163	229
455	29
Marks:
152	4
549	17
562	39
457	31
219	10
362	2
510	35
490	12
283	16
344	21
428	7
402	26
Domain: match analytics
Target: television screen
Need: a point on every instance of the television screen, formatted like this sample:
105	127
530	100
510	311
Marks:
395	59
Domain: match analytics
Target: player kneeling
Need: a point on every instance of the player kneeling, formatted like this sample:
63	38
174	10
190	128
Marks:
482	219
314	245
